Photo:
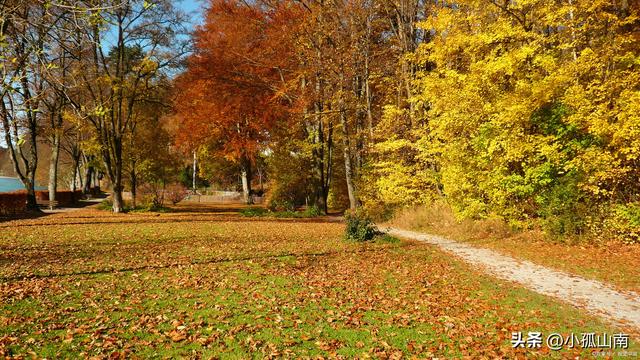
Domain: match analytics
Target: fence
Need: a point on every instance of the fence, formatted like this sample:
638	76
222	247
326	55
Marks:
222	197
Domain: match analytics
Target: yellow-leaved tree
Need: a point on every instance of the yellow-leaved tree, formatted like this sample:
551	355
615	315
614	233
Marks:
525	110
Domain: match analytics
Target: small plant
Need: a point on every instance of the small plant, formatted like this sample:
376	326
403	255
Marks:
360	228
105	205
176	193
254	212
387	239
281	205
312	211
624	222
152	195
148	208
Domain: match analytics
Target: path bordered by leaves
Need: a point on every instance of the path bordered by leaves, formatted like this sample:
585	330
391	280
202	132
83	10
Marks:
594	296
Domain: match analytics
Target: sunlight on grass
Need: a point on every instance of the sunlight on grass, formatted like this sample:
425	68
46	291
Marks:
382	299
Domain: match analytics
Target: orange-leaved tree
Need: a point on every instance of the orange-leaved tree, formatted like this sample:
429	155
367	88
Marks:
234	89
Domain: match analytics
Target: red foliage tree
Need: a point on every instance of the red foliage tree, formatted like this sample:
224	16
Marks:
234	90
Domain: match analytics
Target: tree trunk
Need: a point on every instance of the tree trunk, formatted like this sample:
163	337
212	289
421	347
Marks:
133	177
88	176
76	165
118	202
116	175
246	182
348	167
32	204
367	88
346	143
26	173
53	168
195	171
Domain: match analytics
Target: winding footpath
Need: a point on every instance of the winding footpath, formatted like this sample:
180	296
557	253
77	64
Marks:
595	297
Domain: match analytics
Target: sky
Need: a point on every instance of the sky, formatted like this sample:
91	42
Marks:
193	7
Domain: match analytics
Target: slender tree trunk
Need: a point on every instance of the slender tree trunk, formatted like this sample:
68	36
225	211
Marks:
116	171
195	171
133	177
348	167
29	162
367	88
246	182
53	167
346	143
75	174
367	78
79	175
88	176
574	53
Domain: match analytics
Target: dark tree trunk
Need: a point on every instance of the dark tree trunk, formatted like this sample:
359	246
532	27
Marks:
32	204
118	202
53	168
88	176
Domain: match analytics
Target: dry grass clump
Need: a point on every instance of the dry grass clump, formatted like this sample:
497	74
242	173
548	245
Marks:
439	218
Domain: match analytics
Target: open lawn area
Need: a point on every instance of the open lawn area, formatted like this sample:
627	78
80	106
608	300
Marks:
206	282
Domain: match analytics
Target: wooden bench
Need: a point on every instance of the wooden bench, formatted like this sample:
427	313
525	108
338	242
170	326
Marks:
48	204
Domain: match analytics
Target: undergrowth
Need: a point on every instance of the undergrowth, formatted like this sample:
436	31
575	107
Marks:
255	211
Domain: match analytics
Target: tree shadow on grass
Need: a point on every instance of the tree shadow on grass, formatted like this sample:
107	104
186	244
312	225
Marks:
195	263
160	220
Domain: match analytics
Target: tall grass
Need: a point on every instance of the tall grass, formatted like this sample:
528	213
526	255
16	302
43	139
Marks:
439	218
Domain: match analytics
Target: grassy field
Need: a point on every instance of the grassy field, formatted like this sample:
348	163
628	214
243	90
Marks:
210	283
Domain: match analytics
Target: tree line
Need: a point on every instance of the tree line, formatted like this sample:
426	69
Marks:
89	78
526	111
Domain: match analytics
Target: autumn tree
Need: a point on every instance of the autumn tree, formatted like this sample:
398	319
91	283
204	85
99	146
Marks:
116	81
231	94
522	110
26	30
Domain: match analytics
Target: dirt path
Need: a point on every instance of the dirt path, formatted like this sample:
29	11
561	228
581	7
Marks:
593	296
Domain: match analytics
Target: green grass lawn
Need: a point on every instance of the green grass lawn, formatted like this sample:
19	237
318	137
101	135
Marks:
218	285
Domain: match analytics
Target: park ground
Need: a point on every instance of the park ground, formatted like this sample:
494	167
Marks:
204	281
611	262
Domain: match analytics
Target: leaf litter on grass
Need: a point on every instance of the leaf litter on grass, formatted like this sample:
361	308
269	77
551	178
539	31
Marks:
227	288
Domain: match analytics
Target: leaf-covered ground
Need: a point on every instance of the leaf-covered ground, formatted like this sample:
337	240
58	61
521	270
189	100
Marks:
611	262
209	283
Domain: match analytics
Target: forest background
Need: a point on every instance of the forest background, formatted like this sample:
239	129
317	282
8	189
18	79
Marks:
524	112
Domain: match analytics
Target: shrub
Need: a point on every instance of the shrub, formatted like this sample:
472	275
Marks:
176	193
13	203
281	205
379	211
624	223
106	205
254	212
360	228
312	211
152	195
387	239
